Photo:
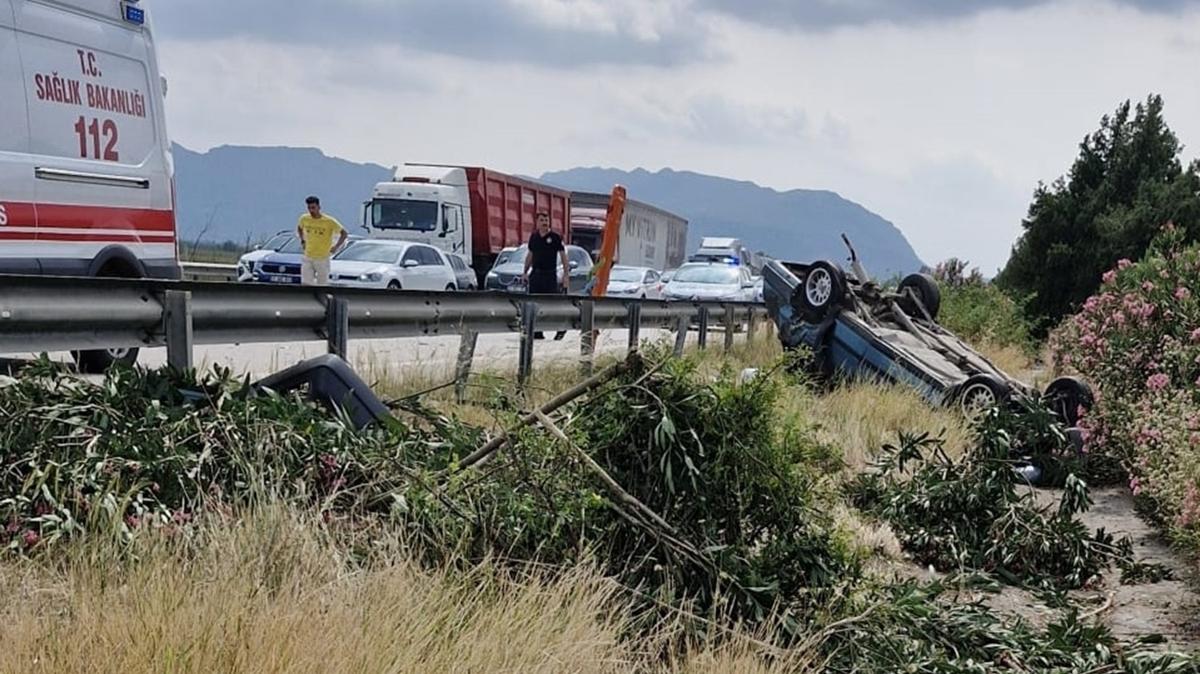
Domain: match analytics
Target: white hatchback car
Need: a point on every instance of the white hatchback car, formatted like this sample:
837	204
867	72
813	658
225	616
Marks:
391	264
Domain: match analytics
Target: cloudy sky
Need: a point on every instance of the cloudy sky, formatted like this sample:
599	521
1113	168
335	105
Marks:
940	115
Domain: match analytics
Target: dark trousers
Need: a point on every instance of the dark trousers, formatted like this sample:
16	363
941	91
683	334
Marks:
544	283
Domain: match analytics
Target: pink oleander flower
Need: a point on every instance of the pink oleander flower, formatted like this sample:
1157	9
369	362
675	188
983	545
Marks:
1157	382
31	538
1135	485
1124	263
1109	276
1182	293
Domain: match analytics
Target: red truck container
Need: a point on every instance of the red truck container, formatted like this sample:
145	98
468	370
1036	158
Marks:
508	206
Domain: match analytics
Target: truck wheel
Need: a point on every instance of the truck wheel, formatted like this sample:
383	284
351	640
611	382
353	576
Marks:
822	292
926	290
1066	395
979	393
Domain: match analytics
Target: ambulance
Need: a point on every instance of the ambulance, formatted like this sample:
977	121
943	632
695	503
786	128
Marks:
86	176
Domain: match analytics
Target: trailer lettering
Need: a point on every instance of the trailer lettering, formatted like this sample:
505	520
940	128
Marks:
3	216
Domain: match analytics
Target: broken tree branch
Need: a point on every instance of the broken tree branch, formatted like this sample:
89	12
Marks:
586	386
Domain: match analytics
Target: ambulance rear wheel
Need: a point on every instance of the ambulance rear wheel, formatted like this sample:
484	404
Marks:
98	361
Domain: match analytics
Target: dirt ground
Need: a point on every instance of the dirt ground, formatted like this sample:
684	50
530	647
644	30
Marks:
1168	608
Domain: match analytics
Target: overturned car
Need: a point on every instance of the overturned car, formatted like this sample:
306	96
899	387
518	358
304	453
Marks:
856	328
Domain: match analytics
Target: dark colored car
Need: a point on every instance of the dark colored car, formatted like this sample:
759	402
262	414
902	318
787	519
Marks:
506	272
857	329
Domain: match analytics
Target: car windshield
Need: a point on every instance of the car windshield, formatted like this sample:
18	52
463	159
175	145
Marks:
626	275
404	214
276	242
706	274
292	247
510	256
371	251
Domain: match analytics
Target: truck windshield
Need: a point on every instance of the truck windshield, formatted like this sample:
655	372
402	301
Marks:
420	216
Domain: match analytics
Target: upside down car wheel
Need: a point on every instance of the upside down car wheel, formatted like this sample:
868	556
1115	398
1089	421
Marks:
980	393
1067	397
926	289
822	292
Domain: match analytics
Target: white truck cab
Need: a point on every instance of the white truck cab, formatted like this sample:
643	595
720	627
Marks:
86	176
428	204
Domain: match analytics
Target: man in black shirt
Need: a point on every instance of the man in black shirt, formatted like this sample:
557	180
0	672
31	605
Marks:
546	250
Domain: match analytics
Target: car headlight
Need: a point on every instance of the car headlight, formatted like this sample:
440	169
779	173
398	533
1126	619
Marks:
373	277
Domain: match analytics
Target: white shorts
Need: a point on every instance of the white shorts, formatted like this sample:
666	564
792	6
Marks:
314	272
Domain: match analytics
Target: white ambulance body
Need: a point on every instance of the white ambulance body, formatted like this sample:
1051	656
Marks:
86	178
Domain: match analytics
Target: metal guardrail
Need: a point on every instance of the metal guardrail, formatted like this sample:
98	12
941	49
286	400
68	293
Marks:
40	313
207	271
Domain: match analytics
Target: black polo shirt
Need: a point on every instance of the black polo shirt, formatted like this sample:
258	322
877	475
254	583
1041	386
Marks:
545	250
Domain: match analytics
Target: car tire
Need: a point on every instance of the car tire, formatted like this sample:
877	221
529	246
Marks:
979	393
98	361
823	291
450	288
1066	395
926	289
394	285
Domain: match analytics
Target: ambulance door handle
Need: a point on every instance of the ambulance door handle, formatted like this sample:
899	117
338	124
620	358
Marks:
91	178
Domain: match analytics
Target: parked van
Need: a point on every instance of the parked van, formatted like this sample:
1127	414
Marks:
86	177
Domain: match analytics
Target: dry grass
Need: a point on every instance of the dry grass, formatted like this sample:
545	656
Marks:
860	418
268	593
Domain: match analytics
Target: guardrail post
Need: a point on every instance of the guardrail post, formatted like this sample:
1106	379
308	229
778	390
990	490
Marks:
177	327
587	337
337	325
751	325
681	332
729	321
525	355
462	369
634	319
703	328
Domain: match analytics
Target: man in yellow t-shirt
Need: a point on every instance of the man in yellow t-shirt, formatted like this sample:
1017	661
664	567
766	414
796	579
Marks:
316	232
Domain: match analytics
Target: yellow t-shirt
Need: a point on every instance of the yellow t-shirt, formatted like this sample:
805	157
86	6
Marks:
318	235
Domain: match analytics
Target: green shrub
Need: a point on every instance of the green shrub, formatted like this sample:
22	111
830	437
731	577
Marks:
979	311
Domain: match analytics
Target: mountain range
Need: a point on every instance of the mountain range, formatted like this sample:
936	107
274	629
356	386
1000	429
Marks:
245	194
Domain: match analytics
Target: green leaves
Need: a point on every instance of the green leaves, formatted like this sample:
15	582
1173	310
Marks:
972	513
1126	183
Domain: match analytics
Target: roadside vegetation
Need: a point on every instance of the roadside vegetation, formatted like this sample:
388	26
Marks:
1138	341
681	518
